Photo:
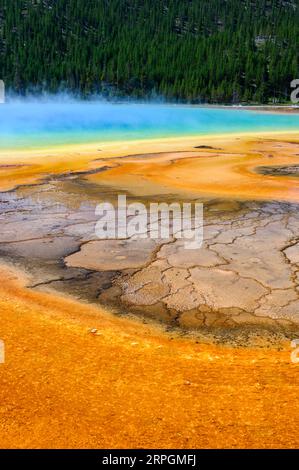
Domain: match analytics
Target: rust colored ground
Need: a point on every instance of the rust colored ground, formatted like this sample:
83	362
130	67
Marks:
131	385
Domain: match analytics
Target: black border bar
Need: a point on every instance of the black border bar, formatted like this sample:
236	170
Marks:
150	458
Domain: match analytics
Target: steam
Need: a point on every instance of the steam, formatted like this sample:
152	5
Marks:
44	120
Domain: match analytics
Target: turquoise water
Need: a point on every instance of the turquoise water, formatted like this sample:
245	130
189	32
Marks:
41	123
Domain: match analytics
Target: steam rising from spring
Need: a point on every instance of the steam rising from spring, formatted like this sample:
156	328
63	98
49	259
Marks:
45	120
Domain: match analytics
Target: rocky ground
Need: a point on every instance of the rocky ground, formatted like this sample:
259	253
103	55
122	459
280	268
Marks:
243	279
80	375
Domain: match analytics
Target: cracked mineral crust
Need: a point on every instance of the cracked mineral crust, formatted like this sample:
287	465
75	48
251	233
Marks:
246	271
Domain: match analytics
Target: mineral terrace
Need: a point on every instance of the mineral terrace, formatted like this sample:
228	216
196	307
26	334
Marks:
246	274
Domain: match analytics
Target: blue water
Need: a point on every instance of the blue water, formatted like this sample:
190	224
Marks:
40	123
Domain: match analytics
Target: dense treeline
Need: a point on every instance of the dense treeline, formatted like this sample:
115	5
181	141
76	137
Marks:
194	50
